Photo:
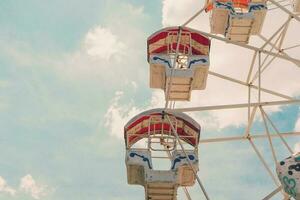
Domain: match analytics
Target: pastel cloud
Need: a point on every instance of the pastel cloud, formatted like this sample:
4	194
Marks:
101	42
118	114
29	186
4	188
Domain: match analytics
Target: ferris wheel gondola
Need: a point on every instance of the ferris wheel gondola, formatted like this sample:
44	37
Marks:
156	126
180	53
237	20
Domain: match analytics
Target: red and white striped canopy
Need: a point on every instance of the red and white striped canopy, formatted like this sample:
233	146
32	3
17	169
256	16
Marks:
163	40
151	122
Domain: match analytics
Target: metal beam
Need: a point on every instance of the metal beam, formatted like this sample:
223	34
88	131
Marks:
280	50
239	138
277	132
187	158
233	106
264	163
274	192
285	10
249	47
252	86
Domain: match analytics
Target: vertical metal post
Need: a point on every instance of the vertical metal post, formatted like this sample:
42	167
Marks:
251	67
259	77
173	68
247	132
249	103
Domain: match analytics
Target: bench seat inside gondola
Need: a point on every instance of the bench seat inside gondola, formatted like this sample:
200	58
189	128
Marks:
180	53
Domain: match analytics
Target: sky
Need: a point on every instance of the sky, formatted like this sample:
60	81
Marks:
71	76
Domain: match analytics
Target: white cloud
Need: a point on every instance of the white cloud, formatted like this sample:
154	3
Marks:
29	186
177	12
112	52
118	115
4	188
101	42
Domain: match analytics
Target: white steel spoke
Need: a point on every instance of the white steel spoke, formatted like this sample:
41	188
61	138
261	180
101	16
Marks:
291	47
285	10
169	85
232	106
278	133
264	163
185	190
280	50
247	132
269	136
252	86
193	17
259	77
251	67
276	32
247	46
269	196
187	158
241	138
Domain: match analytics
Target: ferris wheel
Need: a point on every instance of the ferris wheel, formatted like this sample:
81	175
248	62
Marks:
179	62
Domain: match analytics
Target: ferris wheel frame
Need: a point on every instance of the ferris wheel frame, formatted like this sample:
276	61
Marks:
276	51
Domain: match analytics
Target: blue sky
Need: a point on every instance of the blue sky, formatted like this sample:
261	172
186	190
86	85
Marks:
73	74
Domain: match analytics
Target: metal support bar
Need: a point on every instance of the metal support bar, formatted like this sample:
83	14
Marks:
268	135
264	68
185	190
285	10
245	84
187	194
232	106
237	138
173	67
187	158
264	163
269	196
284	31
248	47
278	133
251	67
276	32
247	132
273	46
280	50
193	17
291	47
259	77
